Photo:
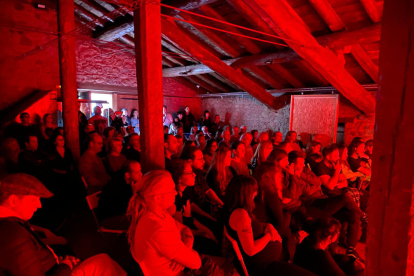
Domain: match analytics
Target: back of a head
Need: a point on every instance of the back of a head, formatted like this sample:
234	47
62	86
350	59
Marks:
234	145
177	169
294	155
264	175
239	193
128	165
218	158
92	137
276	155
285	146
188	153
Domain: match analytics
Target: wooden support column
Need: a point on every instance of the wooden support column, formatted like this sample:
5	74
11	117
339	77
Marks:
67	66
390	244
147	21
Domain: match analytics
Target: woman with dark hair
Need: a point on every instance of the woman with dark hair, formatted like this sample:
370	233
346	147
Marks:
47	127
159	244
206	120
183	177
238	150
259	243
108	134
209	150
369	145
134	121
61	156
254	133
313	253
9	151
262	152
220	173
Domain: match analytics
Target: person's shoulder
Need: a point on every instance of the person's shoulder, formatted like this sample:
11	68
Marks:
11	232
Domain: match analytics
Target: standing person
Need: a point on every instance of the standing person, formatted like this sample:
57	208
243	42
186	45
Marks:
133	151
357	161
236	135
238	150
134	120
206	120
159	244
167	118
83	122
246	138
188	120
22	251
99	122
254	133
260	244
277	138
127	118
217	125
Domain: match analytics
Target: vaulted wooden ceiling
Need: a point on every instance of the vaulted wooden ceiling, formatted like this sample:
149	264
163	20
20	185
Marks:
325	42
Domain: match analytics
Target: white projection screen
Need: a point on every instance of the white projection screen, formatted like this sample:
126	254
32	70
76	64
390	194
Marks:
314	117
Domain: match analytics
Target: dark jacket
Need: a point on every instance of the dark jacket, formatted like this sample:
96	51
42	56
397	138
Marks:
23	253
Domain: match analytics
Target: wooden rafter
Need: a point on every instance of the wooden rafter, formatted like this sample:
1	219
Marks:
212	81
192	86
282	17
315	76
266	77
371	8
365	61
202	83
285	74
204	56
328	14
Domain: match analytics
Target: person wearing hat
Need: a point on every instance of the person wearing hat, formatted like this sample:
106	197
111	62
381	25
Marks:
160	244
22	251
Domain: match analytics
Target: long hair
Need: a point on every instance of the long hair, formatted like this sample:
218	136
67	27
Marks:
177	170
138	203
208	145
276	155
132	112
218	164
322	229
259	154
265	177
45	117
354	146
239	194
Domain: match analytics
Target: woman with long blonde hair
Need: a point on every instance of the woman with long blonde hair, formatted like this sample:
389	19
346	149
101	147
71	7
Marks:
262	152
220	173
160	244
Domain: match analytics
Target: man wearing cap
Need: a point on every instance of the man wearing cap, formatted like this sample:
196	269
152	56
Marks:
22	251
91	166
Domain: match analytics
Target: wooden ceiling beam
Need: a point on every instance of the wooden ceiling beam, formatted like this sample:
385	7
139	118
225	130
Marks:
167	62
365	61
204	56
198	89
186	5
266	77
283	18
288	76
337	40
328	14
214	82
82	13
314	75
370	6
202	83
246	42
173	59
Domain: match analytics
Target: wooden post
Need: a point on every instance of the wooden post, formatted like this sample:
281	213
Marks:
147	20
390	244
67	65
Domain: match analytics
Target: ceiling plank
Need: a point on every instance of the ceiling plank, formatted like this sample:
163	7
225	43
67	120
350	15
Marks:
288	76
365	61
204	56
315	76
266	77
328	14
246	42
371	8
283	18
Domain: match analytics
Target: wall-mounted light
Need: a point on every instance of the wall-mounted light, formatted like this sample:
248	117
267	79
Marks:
269	61
40	6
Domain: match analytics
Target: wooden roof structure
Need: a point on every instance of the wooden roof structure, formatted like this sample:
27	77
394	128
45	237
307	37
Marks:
216	46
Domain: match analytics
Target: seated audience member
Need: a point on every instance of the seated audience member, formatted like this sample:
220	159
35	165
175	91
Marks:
211	147
180	143
243	130
20	131
108	134
205	120
277	138
201	141
314	155
193	132
291	137
22	251
235	135
260	244
183	176
83	122
166	129
62	159
220	173
200	192
99	122
330	172
167	118
285	146
133	151
34	162
159	244
188	120
115	195
351	176
225	142
255	135
207	134
170	148
217	125
91	167
114	161
180	131
357	159
263	150
10	151
246	138
313	254
263	136
238	150
369	145
179	119
47	128
134	120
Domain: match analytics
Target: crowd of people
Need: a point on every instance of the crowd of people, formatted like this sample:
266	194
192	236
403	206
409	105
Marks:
287	206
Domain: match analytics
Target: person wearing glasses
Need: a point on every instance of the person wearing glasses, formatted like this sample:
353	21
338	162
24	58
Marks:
160	244
91	166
